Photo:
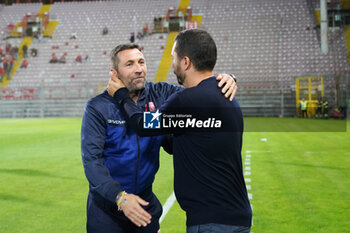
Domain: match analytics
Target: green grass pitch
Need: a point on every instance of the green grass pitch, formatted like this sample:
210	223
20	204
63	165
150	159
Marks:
300	181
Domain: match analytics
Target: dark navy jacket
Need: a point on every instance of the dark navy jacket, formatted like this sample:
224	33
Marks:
114	157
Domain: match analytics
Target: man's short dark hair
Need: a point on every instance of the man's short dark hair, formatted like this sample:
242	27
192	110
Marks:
198	46
119	48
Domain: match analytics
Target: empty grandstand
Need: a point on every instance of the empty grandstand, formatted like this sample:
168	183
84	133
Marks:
267	44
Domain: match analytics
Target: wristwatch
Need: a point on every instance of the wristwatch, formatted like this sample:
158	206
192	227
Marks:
234	77
119	195
120	198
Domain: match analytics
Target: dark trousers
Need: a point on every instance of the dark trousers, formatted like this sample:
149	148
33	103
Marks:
217	228
304	113
104	218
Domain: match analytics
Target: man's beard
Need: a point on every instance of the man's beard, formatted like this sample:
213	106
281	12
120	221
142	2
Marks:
135	88
132	87
180	77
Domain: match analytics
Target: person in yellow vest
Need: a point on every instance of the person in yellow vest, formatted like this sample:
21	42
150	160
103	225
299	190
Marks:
303	108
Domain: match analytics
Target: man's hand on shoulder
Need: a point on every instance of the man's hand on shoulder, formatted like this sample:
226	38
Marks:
230	87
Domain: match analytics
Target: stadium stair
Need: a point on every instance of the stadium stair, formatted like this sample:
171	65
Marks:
183	6
28	41
6	81
164	66
44	8
347	37
50	28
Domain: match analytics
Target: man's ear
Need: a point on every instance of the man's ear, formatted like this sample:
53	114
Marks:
113	73
186	62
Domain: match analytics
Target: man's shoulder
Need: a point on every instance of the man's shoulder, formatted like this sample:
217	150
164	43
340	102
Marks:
101	106
96	101
162	89
158	86
202	91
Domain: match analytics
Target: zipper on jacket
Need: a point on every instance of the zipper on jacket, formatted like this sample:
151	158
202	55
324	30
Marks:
137	162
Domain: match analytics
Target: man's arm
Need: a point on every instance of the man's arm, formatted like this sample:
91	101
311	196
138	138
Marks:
226	82
134	116
93	131
116	88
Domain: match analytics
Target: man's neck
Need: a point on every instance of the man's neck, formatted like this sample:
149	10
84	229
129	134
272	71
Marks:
134	95
195	77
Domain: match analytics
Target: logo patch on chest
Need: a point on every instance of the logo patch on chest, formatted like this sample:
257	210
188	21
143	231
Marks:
116	122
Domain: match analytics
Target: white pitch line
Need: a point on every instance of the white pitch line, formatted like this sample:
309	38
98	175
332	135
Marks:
250	196
167	205
247	173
